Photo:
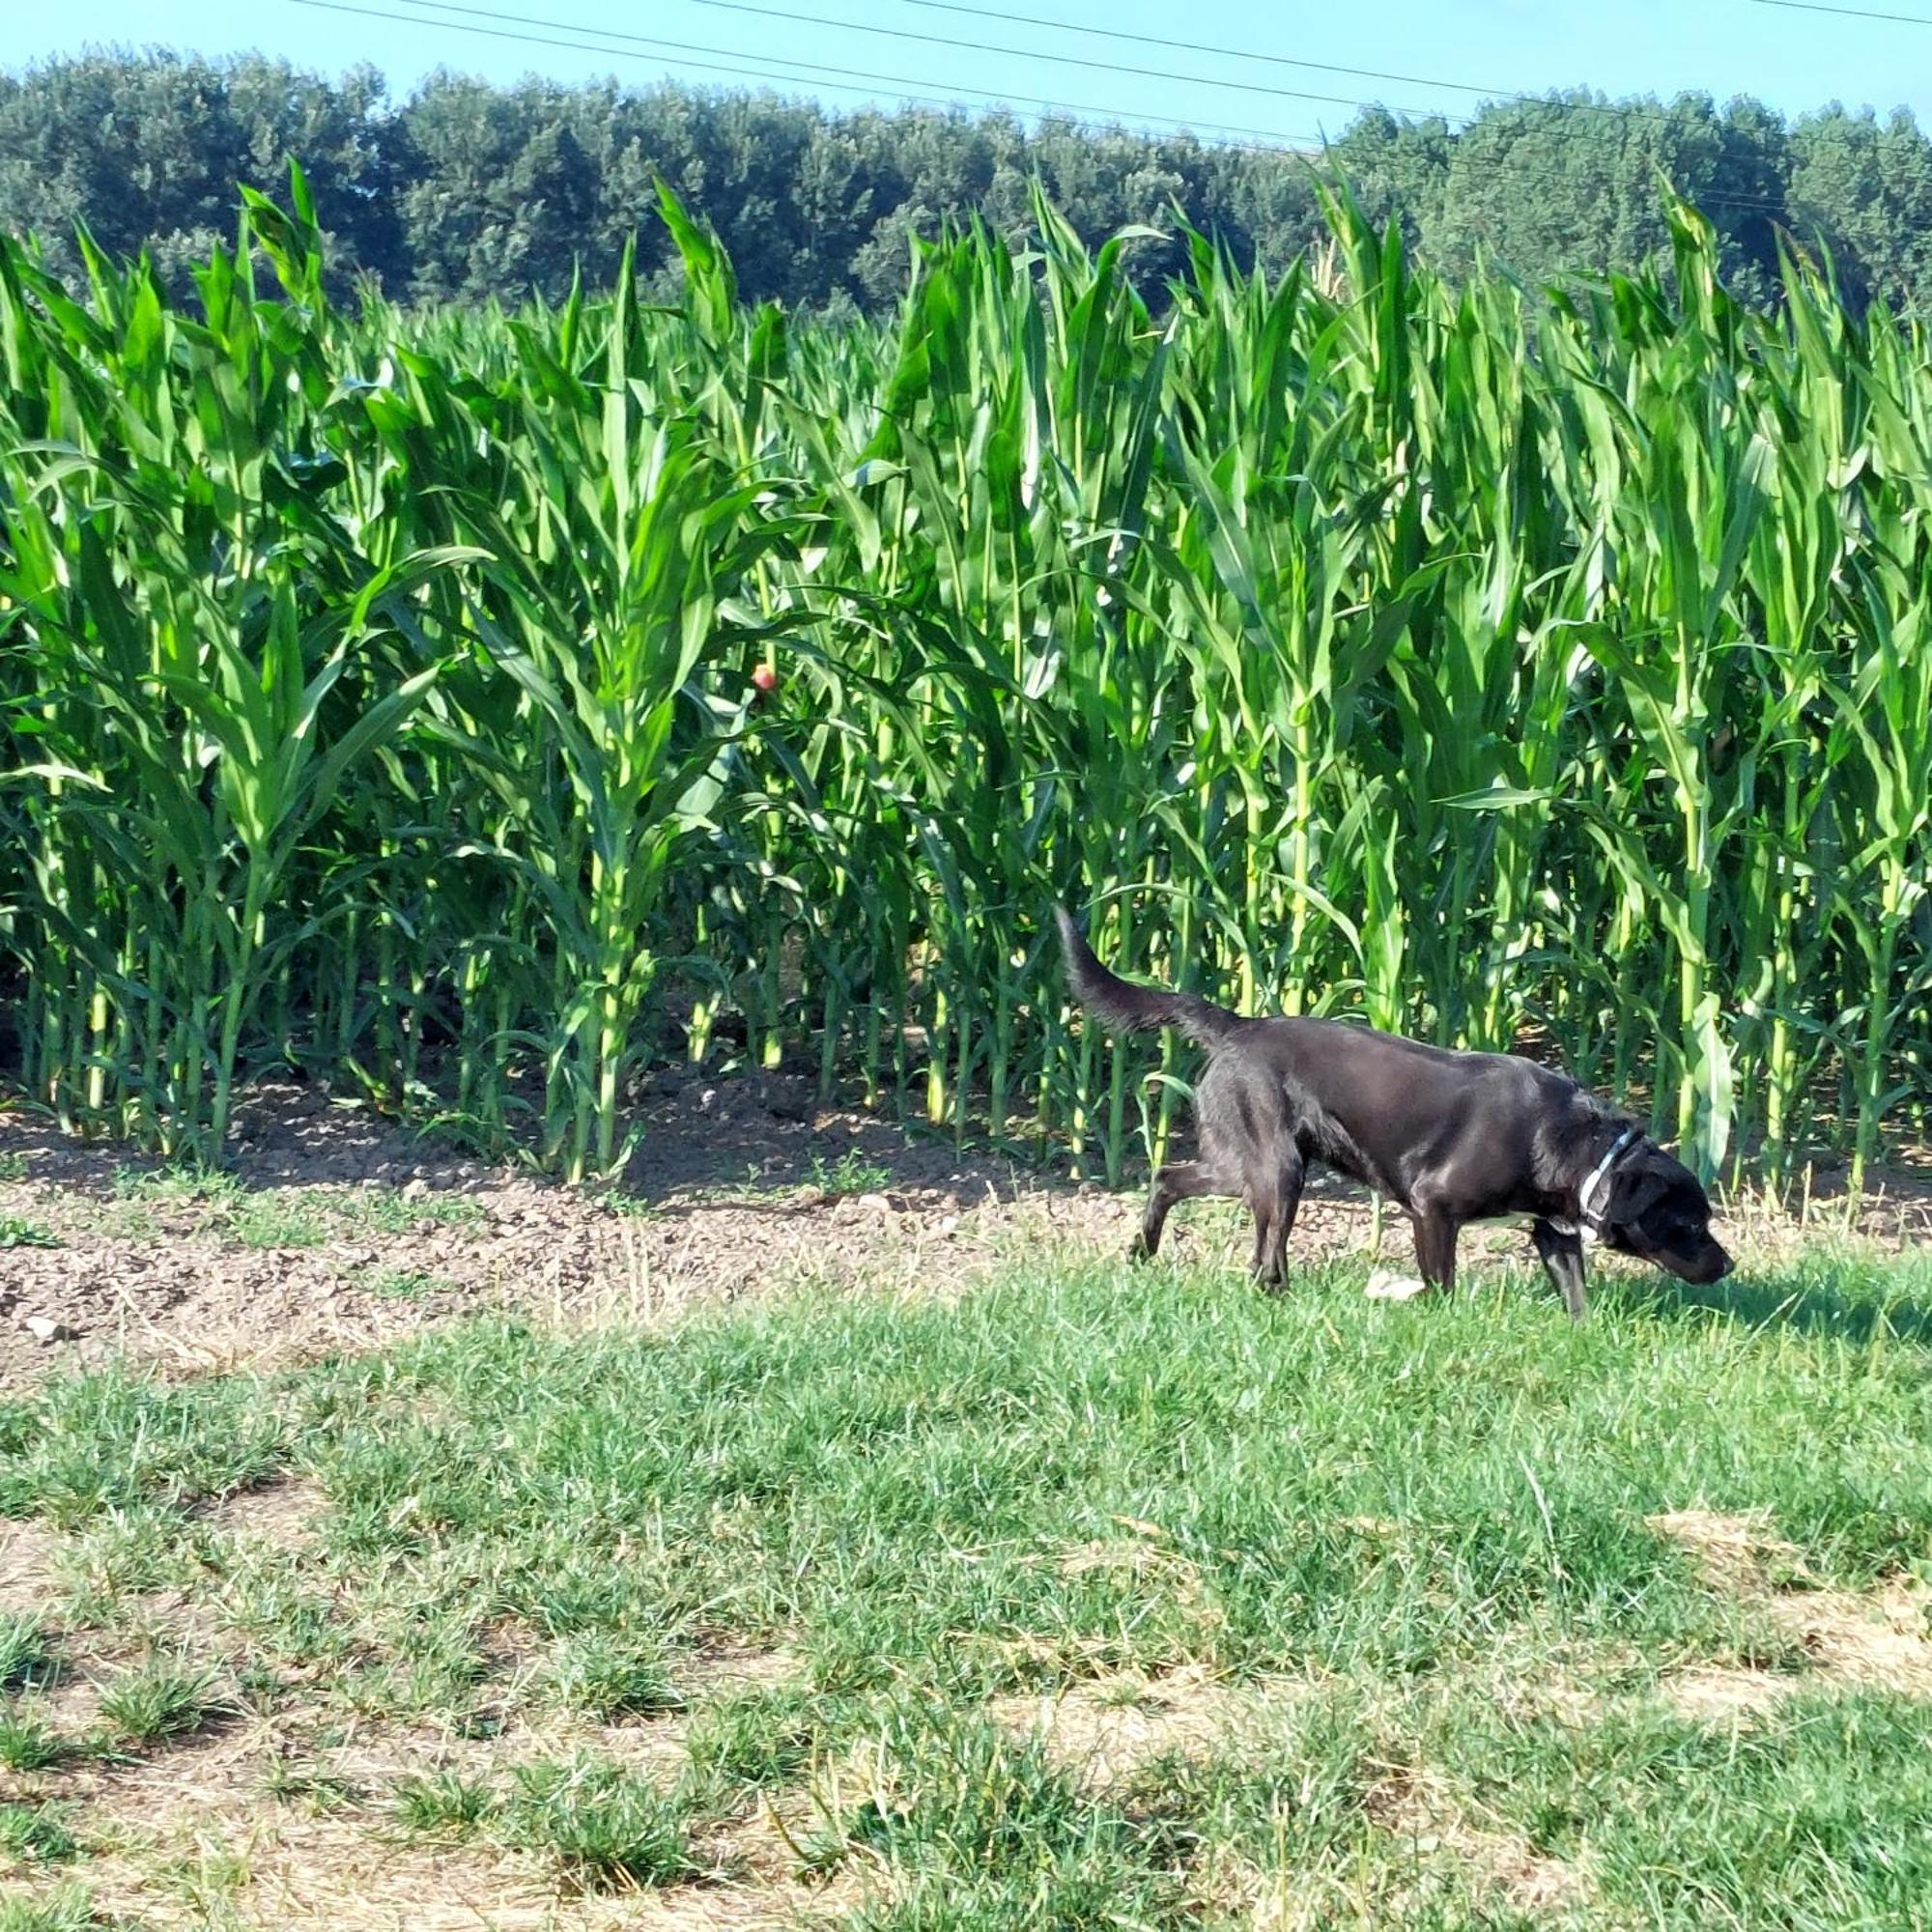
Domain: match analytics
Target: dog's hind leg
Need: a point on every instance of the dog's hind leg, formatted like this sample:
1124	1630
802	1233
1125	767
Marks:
1178	1181
1274	1222
1562	1257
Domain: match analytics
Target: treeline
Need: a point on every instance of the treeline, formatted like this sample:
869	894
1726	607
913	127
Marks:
466	190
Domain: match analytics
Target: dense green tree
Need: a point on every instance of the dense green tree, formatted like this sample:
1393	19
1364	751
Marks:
1399	169
147	150
1561	186
503	186
1862	194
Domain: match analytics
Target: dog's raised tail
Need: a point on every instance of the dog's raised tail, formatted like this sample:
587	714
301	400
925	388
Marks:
1125	1008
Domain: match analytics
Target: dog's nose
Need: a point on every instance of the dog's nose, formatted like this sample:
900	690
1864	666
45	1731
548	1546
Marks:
1725	1266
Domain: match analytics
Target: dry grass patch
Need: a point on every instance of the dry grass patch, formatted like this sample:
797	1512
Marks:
760	1855
727	1908
1322	1895
1738	1554
1106	1729
182	1831
274	1866
27	1554
1878	1639
1420	1808
1144	1559
1714	1693
376	1763
732	1668
278	1515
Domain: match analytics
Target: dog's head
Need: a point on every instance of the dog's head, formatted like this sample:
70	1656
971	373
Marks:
1658	1213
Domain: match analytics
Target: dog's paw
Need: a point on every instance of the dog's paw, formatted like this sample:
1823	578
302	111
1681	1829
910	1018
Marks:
1385	1286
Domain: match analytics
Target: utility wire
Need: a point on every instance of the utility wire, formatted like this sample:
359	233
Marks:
738	67
1250	55
810	72
1177	46
1715	199
1847	12
968	47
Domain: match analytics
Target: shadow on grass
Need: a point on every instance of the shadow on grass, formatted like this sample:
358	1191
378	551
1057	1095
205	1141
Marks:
1807	1307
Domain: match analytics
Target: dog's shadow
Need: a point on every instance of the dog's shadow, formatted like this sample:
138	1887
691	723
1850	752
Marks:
1806	1307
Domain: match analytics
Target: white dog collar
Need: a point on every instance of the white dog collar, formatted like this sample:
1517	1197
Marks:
1589	1223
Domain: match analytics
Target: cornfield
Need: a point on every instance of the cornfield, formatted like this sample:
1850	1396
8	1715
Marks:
1507	666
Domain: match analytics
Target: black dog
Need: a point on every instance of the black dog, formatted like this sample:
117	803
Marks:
1448	1137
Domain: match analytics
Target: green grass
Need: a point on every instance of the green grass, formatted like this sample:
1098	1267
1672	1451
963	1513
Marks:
629	1206
15	1233
297	1217
441	1802
71	1908
1409	1544
758	1739
850	1173
606	1674
183	1184
26	1658
161	1699
987	1832
383	1211
37	1832
278	1220
605	1827
28	1742
293	1782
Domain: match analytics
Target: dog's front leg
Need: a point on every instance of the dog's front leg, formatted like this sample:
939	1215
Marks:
1436	1259
1562	1257
1435	1248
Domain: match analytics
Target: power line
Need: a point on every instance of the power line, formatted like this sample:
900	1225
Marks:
1176	47
739	69
810	74
1251	55
968	47
1716	198
1846	13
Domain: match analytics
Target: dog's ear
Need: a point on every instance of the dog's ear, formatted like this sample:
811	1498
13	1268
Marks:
1635	1188
1626	1179
1674	1177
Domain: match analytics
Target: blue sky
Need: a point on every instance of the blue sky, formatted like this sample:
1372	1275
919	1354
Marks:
1793	60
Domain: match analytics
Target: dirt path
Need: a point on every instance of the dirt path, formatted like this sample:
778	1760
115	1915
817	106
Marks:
338	1228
